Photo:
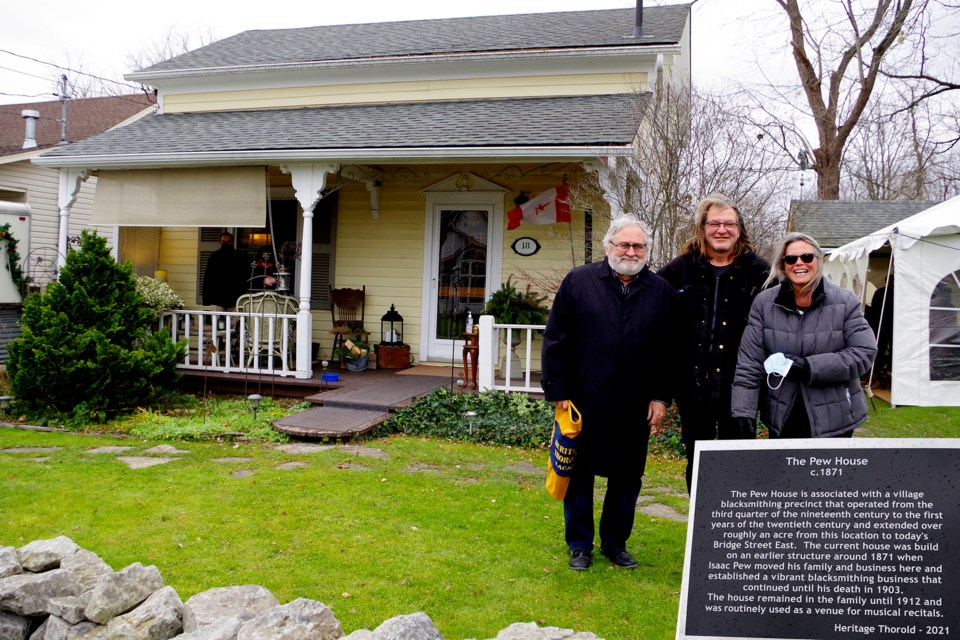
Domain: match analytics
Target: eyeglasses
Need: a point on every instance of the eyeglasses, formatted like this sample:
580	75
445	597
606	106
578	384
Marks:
623	247
807	258
716	226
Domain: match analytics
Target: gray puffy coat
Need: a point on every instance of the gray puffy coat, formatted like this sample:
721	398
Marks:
839	347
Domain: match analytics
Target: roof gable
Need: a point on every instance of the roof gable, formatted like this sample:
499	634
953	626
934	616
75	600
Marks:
484	34
834	223
86	117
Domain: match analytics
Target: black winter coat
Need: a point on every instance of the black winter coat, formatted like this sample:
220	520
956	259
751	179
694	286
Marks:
611	355
710	339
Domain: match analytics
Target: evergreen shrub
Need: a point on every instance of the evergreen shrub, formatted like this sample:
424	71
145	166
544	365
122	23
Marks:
87	352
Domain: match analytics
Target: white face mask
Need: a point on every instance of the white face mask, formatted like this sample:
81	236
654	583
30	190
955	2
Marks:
777	365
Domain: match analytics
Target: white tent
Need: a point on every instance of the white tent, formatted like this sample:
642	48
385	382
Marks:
926	325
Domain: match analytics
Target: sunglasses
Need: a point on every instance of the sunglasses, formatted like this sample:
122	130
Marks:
807	258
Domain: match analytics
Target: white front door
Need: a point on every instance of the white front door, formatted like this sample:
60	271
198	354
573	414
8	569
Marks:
464	235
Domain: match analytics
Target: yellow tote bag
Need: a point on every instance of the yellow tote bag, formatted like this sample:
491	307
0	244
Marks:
563	449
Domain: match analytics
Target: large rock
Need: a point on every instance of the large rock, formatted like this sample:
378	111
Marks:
160	617
416	626
14	627
60	629
9	562
117	593
70	608
27	594
87	566
242	603
222	629
530	631
43	555
298	620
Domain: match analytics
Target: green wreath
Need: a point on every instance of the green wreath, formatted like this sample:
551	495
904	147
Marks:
13	259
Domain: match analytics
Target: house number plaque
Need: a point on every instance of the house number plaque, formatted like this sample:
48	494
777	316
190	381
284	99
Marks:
525	246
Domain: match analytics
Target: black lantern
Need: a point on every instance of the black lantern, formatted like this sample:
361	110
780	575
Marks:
391	327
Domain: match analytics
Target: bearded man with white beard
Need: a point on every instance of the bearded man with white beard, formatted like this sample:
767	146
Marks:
608	348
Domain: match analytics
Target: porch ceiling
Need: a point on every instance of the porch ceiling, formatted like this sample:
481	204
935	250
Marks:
570	128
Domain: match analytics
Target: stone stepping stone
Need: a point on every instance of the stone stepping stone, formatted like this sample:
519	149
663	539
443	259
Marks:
40	459
353	467
242	473
526	467
291	465
364	452
30	450
142	462
662	511
229	459
422	467
304	447
164	449
111	449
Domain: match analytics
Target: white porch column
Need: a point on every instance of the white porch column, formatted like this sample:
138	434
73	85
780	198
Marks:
70	182
309	179
486	357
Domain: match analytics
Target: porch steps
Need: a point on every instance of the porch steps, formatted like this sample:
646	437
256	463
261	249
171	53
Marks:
359	407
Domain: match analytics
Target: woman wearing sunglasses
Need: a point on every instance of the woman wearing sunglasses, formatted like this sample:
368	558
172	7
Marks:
804	349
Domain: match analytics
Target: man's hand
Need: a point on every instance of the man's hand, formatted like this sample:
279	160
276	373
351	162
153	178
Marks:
562	404
655	413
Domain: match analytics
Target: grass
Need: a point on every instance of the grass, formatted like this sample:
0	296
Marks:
885	421
463	532
447	528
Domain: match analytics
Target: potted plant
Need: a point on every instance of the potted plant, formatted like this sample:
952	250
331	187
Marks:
509	305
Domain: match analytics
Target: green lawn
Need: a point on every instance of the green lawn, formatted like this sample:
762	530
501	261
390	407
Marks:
440	527
464	532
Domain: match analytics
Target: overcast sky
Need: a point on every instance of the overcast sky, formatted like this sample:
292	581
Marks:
98	37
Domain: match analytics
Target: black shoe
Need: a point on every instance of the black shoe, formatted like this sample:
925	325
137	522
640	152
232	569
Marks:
622	559
580	560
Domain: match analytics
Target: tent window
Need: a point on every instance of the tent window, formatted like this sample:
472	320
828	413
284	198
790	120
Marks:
945	329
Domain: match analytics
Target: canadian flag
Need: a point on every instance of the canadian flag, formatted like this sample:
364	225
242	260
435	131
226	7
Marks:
550	206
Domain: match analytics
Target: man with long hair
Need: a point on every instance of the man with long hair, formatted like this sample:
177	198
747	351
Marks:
716	276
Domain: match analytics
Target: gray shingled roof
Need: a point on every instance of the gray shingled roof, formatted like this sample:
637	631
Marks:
601	28
565	121
86	117
834	223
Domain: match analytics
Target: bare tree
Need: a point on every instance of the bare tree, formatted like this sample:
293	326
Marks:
898	153
692	144
839	48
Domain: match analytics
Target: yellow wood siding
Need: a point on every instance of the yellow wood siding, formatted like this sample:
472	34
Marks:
386	254
424	90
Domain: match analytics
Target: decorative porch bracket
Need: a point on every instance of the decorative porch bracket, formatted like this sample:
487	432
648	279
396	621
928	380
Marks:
70	182
606	170
372	178
309	179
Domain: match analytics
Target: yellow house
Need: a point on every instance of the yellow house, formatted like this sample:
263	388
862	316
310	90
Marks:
391	152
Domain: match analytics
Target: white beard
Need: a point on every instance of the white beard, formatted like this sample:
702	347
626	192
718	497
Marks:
625	266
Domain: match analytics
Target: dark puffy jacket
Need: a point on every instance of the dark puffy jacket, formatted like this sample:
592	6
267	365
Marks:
709	361
839	347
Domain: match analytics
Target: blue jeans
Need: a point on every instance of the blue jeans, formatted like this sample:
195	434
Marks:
616	518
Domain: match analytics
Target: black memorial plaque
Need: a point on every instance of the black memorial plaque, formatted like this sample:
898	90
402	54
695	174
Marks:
824	542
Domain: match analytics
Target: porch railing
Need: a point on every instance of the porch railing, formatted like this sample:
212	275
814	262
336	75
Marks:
235	342
489	353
